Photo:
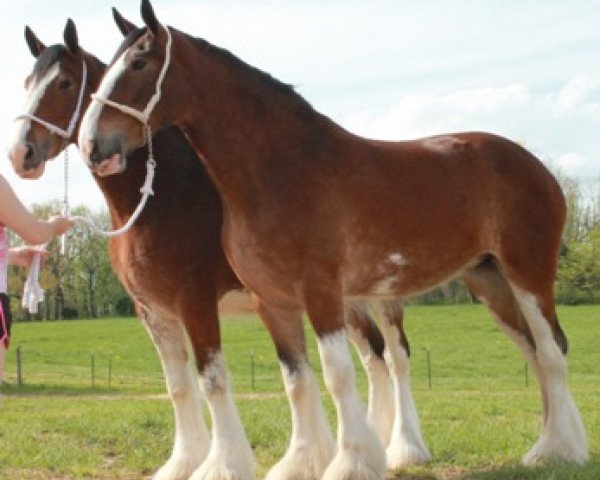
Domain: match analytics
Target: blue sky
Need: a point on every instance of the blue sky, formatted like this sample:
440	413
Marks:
385	69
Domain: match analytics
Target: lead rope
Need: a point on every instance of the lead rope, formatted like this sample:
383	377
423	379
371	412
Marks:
33	294
146	191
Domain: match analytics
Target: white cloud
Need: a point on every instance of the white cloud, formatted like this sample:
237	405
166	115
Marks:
557	127
419	114
383	68
577	91
577	164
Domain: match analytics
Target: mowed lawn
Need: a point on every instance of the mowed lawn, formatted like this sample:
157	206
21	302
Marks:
479	416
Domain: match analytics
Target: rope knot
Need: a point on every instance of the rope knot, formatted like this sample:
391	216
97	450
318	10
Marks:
147	186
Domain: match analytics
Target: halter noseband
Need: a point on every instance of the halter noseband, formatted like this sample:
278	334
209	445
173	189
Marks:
55	129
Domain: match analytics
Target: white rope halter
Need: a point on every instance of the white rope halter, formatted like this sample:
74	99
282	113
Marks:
55	129
144	115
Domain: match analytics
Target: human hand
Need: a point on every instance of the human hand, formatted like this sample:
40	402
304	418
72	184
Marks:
23	256
60	224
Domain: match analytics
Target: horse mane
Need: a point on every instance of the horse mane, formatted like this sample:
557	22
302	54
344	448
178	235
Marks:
228	57
225	56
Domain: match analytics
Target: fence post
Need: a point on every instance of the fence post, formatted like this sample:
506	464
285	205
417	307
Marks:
252	369
429	366
19	368
109	372
93	371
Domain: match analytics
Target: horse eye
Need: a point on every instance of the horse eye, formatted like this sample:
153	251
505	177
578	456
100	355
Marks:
64	84
138	64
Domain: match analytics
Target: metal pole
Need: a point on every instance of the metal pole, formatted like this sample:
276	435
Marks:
19	368
252	368
93	372
109	372
429	366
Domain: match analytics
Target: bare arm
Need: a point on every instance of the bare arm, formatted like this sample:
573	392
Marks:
16	217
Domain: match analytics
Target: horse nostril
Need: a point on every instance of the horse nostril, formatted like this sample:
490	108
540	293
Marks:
30	152
90	150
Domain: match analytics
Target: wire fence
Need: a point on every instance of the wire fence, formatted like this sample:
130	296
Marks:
253	371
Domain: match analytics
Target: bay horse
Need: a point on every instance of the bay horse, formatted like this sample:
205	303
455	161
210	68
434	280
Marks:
315	217
173	266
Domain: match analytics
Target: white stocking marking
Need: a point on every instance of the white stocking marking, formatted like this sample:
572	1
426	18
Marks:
563	435
311	445
230	456
380	410
191	436
406	446
360	454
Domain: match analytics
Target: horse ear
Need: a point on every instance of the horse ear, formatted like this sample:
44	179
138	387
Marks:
124	25
35	45
149	17
70	37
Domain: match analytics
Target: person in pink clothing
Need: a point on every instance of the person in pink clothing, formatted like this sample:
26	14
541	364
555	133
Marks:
14	215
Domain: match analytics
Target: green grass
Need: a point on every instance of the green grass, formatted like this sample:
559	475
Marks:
478	419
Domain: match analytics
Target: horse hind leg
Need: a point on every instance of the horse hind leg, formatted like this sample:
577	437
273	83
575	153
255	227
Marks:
311	445
406	446
191	436
563	435
490	287
369	343
528	315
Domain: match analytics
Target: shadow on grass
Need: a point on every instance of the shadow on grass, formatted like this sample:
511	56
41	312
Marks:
589	471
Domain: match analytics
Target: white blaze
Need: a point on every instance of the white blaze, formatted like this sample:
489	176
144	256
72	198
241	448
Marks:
35	93
90	118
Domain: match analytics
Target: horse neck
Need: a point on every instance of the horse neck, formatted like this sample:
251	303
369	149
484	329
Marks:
121	192
246	124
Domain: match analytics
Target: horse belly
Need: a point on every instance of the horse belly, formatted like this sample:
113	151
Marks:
409	267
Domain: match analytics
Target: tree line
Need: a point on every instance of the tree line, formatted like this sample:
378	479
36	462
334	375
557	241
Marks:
78	284
81	283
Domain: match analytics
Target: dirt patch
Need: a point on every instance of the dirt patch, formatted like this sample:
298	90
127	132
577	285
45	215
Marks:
236	302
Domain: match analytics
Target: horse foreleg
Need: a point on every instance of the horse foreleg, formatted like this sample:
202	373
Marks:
191	436
311	444
230	456
360	454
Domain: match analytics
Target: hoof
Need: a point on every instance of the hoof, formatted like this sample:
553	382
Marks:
177	468
404	454
547	451
354	464
301	464
219	468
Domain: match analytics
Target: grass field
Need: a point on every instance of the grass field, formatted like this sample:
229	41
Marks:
478	418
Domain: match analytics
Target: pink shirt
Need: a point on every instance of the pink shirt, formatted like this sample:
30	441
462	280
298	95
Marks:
3	259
